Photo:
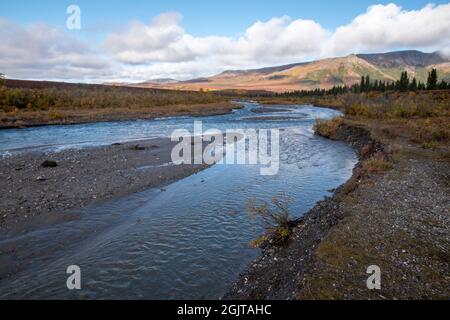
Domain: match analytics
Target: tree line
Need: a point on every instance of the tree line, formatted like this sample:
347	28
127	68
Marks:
404	84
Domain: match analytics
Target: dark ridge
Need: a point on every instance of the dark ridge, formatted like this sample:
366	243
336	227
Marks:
403	58
267	70
198	80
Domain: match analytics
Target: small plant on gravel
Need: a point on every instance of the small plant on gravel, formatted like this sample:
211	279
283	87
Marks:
276	219
327	128
430	145
377	164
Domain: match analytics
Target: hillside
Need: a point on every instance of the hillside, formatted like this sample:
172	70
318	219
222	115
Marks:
320	74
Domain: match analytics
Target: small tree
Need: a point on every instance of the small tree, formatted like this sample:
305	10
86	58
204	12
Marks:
404	82
413	85
421	86
432	80
368	87
443	85
362	86
2	79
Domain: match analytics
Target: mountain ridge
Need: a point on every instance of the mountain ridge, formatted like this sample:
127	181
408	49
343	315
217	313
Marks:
324	73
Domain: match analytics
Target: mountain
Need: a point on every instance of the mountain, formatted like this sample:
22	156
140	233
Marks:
321	73
403	58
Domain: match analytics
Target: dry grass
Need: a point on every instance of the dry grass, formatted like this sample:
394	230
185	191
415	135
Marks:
397	105
17	117
376	164
56	115
327	128
29	102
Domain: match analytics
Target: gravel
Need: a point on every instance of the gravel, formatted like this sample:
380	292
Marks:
35	189
399	221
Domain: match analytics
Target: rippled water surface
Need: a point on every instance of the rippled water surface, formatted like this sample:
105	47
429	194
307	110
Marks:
189	241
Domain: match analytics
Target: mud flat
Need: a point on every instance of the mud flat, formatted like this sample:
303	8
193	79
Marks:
399	221
35	192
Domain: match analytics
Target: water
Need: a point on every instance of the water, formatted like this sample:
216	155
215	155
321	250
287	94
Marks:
188	242
55	138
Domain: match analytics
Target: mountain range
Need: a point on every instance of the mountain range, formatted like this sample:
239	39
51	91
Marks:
324	73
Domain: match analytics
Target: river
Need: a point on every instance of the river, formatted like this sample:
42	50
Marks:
190	241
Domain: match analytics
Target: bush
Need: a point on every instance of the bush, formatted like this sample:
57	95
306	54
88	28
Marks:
376	164
327	128
276	219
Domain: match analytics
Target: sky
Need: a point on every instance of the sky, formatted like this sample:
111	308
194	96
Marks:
138	40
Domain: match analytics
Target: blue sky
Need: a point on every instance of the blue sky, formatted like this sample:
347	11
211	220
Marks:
137	40
200	17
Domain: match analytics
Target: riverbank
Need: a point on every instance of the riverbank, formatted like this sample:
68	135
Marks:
33	118
33	195
36	103
392	213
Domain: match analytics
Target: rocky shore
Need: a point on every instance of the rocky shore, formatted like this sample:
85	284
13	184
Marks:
40	186
399	221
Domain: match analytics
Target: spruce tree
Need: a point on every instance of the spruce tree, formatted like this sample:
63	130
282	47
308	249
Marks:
376	86
403	84
413	85
443	85
432	80
362	85
368	88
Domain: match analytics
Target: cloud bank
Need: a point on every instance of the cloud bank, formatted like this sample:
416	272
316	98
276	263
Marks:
164	49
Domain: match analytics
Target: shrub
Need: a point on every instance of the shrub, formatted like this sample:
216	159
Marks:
430	145
376	164
327	128
359	110
440	135
430	134
276	219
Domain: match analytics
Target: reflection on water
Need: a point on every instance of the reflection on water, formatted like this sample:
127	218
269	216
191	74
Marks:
191	240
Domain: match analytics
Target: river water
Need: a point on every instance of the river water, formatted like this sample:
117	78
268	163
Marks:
190	241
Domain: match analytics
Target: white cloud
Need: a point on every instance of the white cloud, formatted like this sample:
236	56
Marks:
41	52
385	27
164	40
163	48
